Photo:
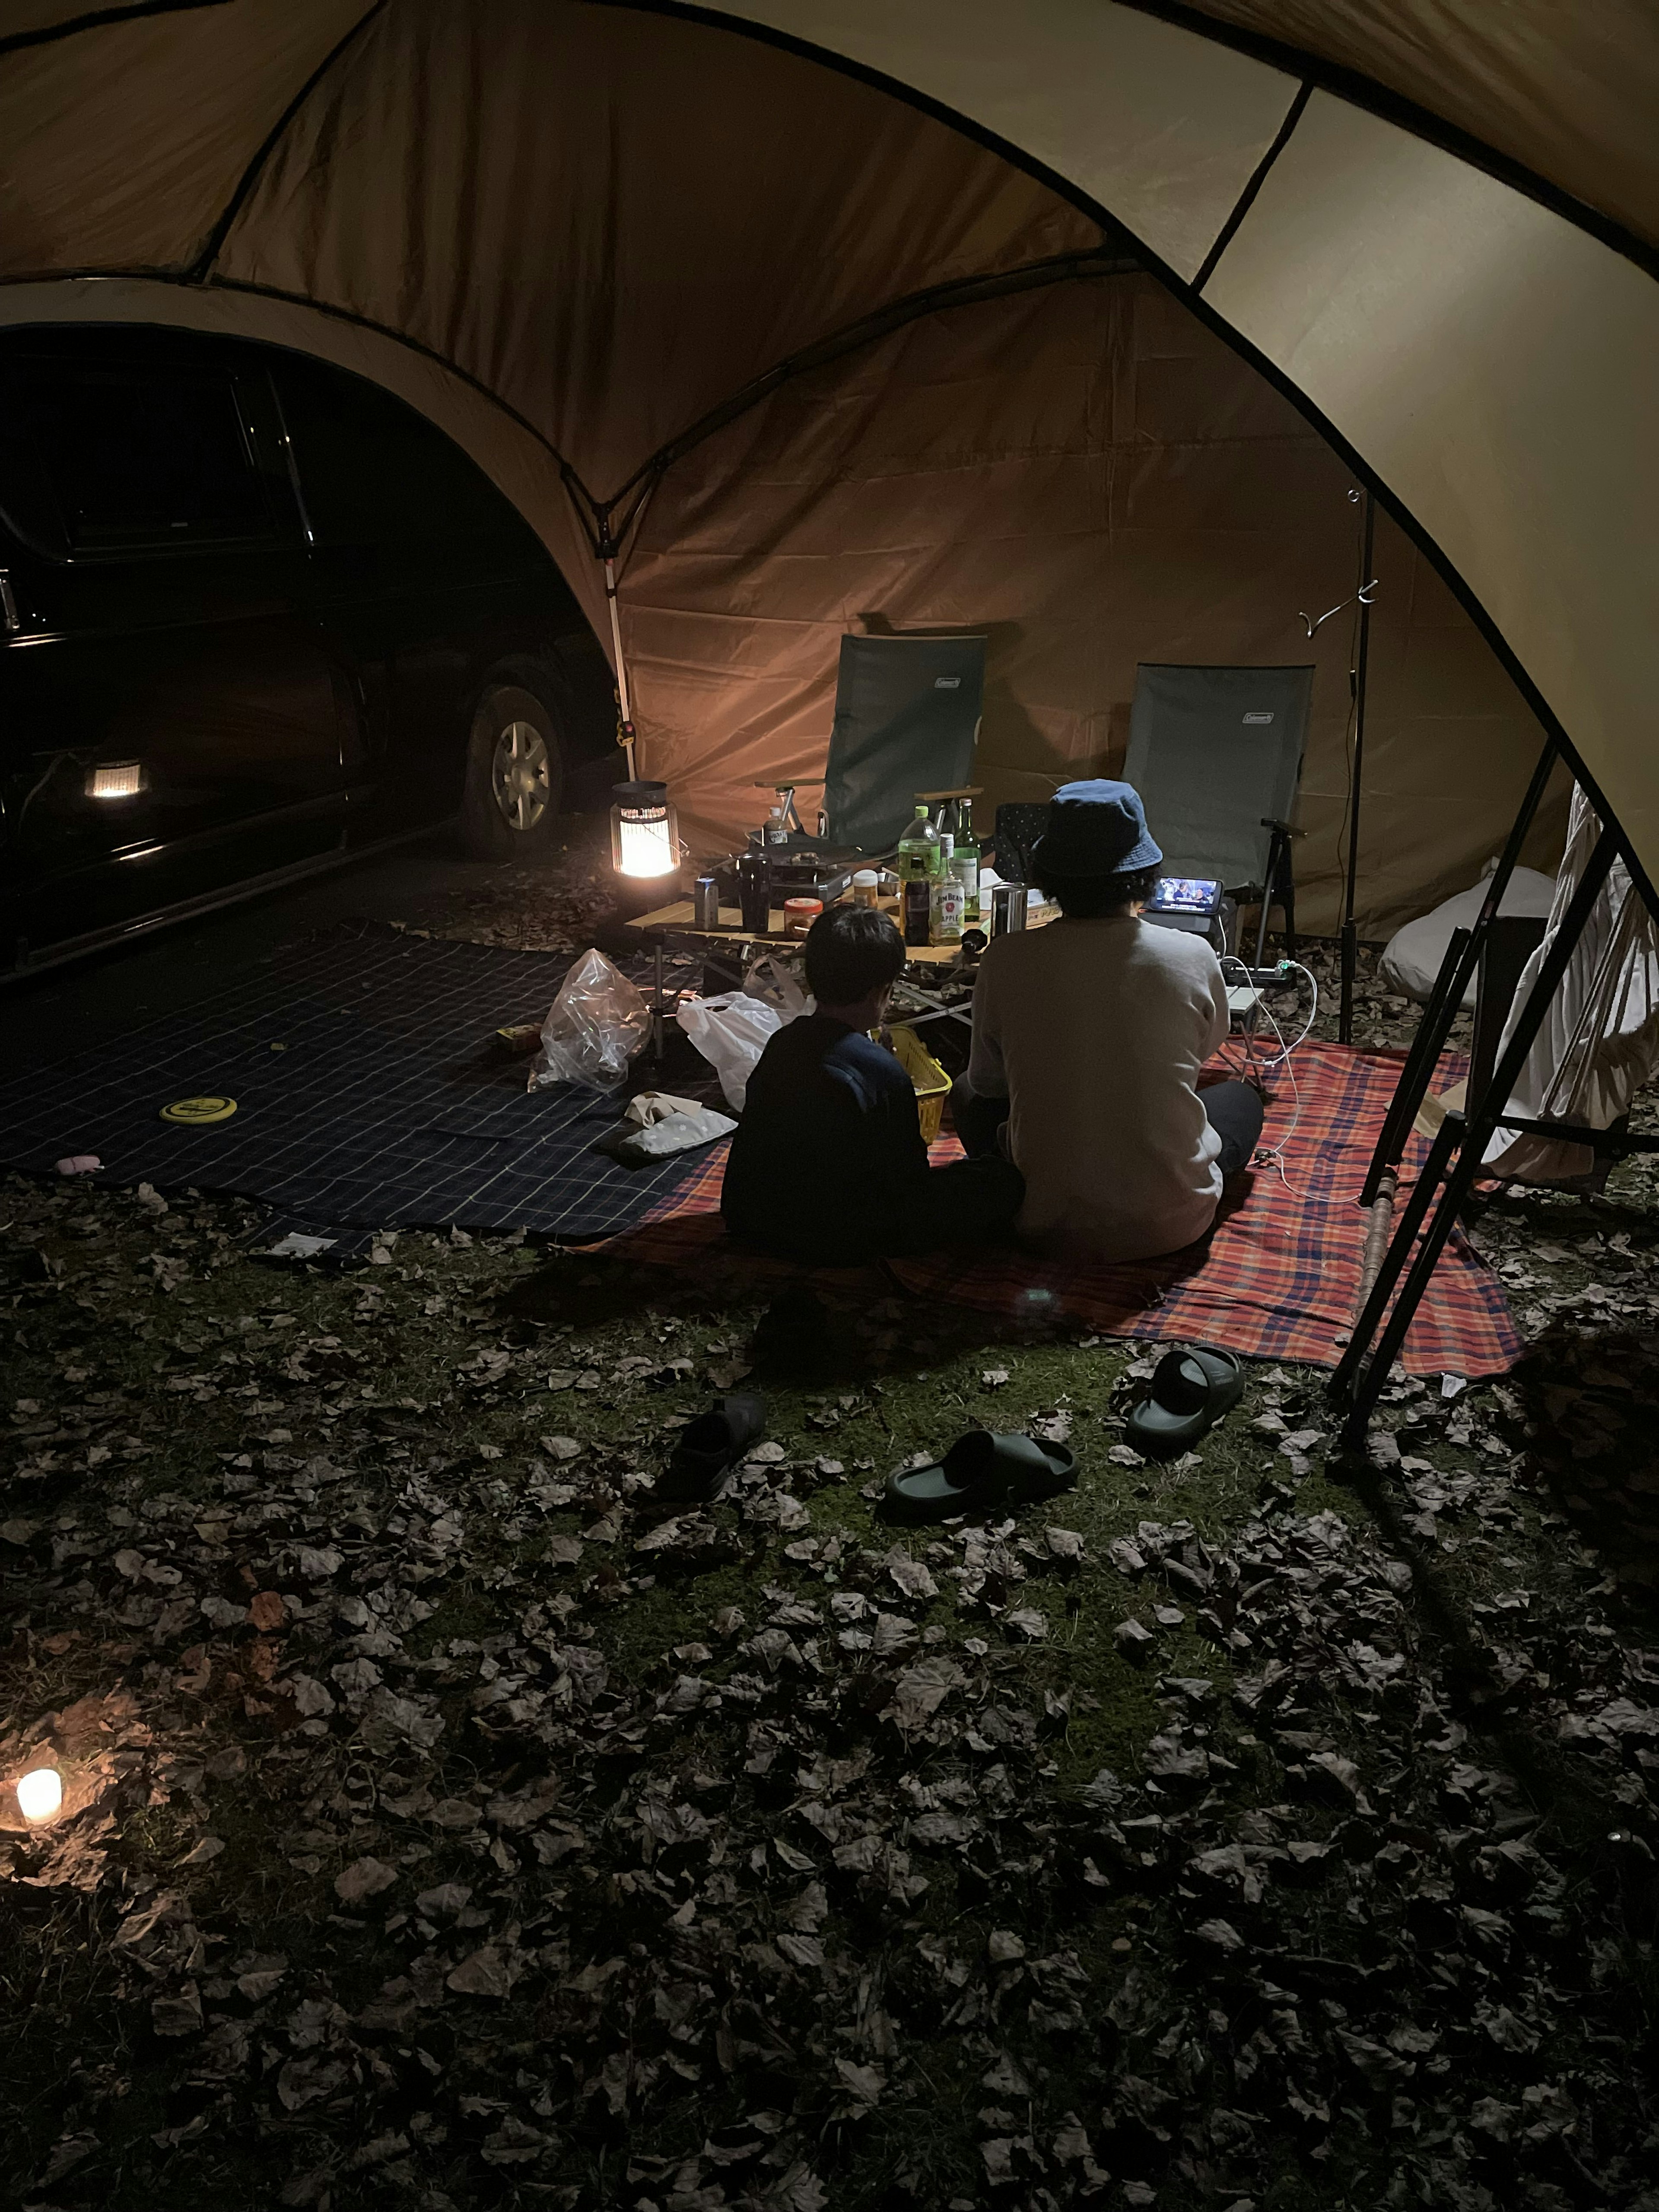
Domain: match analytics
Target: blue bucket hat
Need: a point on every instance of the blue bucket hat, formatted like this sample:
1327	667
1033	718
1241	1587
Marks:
1096	828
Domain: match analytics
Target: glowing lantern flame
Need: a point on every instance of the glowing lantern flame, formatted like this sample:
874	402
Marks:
40	1794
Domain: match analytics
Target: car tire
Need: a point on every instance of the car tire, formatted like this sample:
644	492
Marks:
515	772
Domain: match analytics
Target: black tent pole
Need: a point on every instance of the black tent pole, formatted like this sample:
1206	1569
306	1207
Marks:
1349	941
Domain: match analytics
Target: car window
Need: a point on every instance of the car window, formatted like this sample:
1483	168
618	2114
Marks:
132	457
372	471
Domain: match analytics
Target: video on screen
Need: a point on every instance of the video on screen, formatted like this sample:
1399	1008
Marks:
1185	895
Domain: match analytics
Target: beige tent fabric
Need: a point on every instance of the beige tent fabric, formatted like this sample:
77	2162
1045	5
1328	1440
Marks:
120	146
1092	478
600	221
1495	366
677	211
1488	359
1570	88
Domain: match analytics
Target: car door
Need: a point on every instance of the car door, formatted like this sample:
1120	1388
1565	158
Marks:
423	567
172	716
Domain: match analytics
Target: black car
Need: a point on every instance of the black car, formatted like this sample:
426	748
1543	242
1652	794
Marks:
254	612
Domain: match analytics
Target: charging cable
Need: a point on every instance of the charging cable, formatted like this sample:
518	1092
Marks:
1273	1154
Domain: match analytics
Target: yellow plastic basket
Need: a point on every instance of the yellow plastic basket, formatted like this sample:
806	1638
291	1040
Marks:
933	1084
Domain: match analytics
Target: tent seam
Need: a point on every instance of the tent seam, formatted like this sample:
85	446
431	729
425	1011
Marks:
1359	91
1246	200
97	19
200	270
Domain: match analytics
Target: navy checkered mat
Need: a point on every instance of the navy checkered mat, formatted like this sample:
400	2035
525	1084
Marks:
384	1107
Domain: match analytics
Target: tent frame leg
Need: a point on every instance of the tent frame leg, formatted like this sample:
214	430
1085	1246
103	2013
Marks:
1375	1345
1456	972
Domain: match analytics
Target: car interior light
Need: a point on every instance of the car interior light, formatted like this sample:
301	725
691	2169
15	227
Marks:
117	780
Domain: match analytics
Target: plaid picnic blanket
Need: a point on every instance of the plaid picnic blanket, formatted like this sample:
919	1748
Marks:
1276	1280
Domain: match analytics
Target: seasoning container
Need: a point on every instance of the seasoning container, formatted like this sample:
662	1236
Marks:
866	887
706	900
799	915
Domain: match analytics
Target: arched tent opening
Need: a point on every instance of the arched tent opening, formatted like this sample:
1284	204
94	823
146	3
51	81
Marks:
1047	294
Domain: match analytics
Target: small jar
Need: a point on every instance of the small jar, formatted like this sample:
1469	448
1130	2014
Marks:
866	887
799	915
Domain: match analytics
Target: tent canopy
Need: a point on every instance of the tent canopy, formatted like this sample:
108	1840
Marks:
1093	313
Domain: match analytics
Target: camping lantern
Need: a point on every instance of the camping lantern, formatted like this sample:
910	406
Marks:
645	837
40	1795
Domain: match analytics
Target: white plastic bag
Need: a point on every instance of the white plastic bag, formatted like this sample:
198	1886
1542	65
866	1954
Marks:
595	1026
775	984
731	1032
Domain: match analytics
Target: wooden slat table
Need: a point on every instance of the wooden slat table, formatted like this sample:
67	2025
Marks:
677	923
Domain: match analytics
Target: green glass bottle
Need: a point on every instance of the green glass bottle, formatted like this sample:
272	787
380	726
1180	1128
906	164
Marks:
964	864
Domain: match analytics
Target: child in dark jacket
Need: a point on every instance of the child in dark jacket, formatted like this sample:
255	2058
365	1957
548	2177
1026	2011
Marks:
829	1164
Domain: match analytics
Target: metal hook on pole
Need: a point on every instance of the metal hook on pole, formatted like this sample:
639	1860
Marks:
1364	597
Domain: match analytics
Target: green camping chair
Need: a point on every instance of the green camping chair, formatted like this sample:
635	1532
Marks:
1216	755
906	720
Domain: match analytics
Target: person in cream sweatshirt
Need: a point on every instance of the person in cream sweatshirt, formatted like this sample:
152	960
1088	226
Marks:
1089	1035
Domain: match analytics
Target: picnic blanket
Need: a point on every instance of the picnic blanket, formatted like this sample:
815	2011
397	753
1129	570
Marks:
368	1096
1276	1278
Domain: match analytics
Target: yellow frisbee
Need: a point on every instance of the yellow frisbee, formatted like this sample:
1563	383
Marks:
196	1111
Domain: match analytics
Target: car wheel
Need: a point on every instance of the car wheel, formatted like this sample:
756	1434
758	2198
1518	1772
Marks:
514	774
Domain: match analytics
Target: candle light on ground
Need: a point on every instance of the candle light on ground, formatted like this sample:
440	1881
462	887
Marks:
40	1794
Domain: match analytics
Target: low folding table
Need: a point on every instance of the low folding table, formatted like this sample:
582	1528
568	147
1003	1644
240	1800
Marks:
920	995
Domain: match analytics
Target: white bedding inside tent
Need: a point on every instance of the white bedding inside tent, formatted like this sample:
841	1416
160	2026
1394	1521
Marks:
1412	958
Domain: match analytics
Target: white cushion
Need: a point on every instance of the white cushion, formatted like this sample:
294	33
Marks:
1412	958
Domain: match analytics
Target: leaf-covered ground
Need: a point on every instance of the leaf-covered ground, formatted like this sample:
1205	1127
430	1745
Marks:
448	1825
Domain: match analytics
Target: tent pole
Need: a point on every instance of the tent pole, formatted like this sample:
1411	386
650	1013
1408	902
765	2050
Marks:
608	555
1350	942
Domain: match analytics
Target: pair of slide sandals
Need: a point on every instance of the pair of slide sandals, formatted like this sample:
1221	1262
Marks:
1190	1392
709	1447
981	1474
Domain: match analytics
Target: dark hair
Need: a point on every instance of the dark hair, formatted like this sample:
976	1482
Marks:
852	950
1082	897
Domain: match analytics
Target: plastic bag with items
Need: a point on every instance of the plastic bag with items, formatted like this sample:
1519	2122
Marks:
774	983
593	1028
731	1031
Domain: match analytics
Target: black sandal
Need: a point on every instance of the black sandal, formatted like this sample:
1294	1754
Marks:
709	1448
980	1474
1190	1392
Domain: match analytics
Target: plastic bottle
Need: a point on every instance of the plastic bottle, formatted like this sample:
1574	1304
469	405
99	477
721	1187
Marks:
918	864
947	834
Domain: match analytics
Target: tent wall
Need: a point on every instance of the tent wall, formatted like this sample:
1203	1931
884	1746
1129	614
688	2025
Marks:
1093	478
608	218
1488	359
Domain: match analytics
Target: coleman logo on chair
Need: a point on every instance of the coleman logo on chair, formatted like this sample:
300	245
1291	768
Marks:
1260	715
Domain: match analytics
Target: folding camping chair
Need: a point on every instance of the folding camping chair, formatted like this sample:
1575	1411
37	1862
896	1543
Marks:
907	721
1216	755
